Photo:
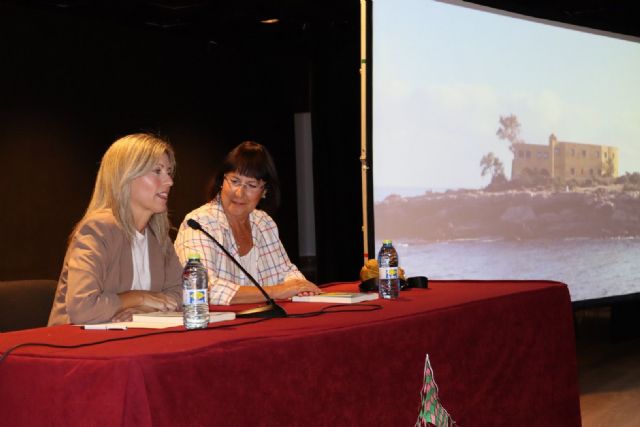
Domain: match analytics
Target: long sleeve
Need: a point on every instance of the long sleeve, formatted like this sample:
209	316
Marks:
274	264
84	294
189	241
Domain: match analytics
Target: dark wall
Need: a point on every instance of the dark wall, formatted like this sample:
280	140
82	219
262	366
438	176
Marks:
335	101
72	83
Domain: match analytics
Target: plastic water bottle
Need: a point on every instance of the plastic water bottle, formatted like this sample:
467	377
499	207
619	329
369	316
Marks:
195	294
388	271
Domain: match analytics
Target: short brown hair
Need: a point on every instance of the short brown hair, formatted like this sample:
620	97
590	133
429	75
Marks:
253	160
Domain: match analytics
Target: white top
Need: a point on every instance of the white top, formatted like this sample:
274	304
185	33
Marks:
140	257
250	263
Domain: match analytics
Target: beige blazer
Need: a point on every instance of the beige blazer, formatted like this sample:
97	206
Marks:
98	266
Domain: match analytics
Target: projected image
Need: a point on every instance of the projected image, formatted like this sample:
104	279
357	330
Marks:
505	148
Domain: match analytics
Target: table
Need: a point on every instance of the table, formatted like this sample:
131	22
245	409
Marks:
503	354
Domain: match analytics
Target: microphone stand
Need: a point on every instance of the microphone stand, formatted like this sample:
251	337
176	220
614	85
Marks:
271	309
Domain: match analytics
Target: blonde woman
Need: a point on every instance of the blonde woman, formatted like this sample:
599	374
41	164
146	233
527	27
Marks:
120	259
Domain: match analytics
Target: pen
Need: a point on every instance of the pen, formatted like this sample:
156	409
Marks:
105	327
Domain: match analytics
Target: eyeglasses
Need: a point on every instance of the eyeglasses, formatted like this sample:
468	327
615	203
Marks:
251	188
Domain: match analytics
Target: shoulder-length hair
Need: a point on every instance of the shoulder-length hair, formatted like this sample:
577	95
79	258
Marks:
253	160
125	160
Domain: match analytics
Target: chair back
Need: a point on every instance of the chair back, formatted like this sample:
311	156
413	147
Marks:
25	304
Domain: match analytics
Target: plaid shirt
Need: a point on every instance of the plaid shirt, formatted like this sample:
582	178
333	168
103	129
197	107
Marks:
225	278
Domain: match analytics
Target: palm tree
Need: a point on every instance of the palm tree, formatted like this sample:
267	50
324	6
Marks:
510	130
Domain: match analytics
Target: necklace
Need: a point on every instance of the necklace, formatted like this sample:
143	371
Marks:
242	236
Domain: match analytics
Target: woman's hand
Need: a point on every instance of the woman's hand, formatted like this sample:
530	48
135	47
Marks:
154	301
293	287
158	301
126	315
134	302
284	290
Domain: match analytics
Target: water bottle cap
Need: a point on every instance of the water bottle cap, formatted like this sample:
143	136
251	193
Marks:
386	242
194	256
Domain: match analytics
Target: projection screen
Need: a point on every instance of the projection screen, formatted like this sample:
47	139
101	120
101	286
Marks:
505	147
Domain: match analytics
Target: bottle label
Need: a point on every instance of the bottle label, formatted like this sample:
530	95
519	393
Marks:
388	272
194	296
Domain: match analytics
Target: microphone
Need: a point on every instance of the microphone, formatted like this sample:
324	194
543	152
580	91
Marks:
271	309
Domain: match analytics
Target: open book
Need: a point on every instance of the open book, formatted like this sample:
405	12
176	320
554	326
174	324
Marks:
337	297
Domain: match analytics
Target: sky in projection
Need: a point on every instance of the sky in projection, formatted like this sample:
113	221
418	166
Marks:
444	74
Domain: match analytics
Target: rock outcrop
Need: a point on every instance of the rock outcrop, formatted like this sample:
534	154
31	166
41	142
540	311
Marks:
596	213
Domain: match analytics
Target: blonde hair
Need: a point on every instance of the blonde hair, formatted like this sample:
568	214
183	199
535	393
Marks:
126	159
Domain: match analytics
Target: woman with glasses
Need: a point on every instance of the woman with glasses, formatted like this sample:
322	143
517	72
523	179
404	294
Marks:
244	190
120	260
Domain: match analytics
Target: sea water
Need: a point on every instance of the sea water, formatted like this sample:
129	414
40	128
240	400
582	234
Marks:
592	268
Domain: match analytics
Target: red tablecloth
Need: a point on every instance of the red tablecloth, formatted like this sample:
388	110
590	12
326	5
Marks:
503	354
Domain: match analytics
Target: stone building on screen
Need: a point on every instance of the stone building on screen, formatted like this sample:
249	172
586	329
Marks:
566	160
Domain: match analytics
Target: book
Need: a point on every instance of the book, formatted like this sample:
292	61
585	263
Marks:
338	297
174	318
156	320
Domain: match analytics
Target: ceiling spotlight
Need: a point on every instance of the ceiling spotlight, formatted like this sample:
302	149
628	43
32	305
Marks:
270	21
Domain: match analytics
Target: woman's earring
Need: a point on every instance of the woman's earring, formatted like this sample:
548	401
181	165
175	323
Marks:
264	194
